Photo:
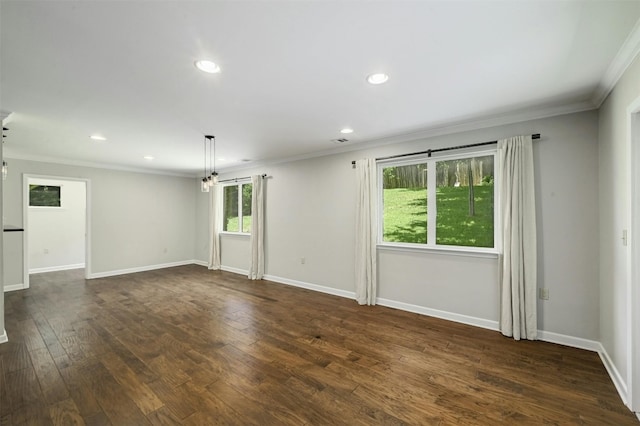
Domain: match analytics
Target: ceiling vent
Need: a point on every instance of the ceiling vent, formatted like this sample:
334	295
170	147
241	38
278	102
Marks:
339	141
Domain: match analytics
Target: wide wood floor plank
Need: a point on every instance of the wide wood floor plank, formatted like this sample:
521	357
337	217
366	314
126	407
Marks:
16	356
65	413
53	387
5	402
163	417
27	401
73	373
115	403
173	400
137	390
187	345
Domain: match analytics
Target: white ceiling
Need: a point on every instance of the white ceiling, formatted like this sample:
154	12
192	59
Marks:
293	73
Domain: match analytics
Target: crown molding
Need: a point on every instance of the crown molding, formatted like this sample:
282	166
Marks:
483	123
627	53
436	130
68	162
439	129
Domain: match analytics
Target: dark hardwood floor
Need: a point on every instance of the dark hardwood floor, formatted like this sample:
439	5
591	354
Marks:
189	346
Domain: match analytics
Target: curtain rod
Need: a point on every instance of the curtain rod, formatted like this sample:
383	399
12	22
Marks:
451	148
240	178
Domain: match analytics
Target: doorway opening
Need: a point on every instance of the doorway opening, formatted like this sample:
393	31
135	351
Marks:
56	224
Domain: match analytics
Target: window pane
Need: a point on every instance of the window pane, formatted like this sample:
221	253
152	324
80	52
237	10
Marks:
464	201
230	213
44	196
246	207
405	204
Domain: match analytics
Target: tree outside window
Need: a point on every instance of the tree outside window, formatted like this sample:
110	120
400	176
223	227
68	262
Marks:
44	196
236	215
463	209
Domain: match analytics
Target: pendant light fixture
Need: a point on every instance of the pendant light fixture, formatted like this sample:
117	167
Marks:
213	177
210	175
204	186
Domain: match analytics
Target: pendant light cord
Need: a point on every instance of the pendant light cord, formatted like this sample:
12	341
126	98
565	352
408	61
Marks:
204	145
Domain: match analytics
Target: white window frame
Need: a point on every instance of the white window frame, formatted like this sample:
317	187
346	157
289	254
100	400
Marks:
60	207
432	211
239	184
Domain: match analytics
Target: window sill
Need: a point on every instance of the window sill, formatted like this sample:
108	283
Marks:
36	208
443	250
235	234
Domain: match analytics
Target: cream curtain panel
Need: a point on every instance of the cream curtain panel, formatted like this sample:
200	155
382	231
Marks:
215	225
256	268
518	316
366	232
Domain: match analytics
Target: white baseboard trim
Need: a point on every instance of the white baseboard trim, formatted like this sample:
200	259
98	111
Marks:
309	286
56	268
14	287
139	269
574	342
464	319
594	346
235	270
222	267
615	375
3	337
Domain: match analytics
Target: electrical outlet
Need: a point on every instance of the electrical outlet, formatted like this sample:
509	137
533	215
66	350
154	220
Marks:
544	293
46	251
302	260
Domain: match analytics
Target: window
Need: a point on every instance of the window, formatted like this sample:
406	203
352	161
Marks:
236	215
439	201
44	196
405	203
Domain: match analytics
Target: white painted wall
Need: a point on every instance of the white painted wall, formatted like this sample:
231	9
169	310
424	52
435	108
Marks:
614	205
134	217
235	252
13	254
310	212
3	334
201	222
56	235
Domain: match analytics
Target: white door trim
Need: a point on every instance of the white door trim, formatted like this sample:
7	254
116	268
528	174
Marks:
633	258
25	221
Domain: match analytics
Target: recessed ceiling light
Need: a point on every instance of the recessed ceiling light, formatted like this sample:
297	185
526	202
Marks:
377	78
98	138
148	157
207	66
346	130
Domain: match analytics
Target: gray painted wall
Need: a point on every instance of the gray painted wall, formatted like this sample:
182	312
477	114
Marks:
310	213
134	216
2	330
614	206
